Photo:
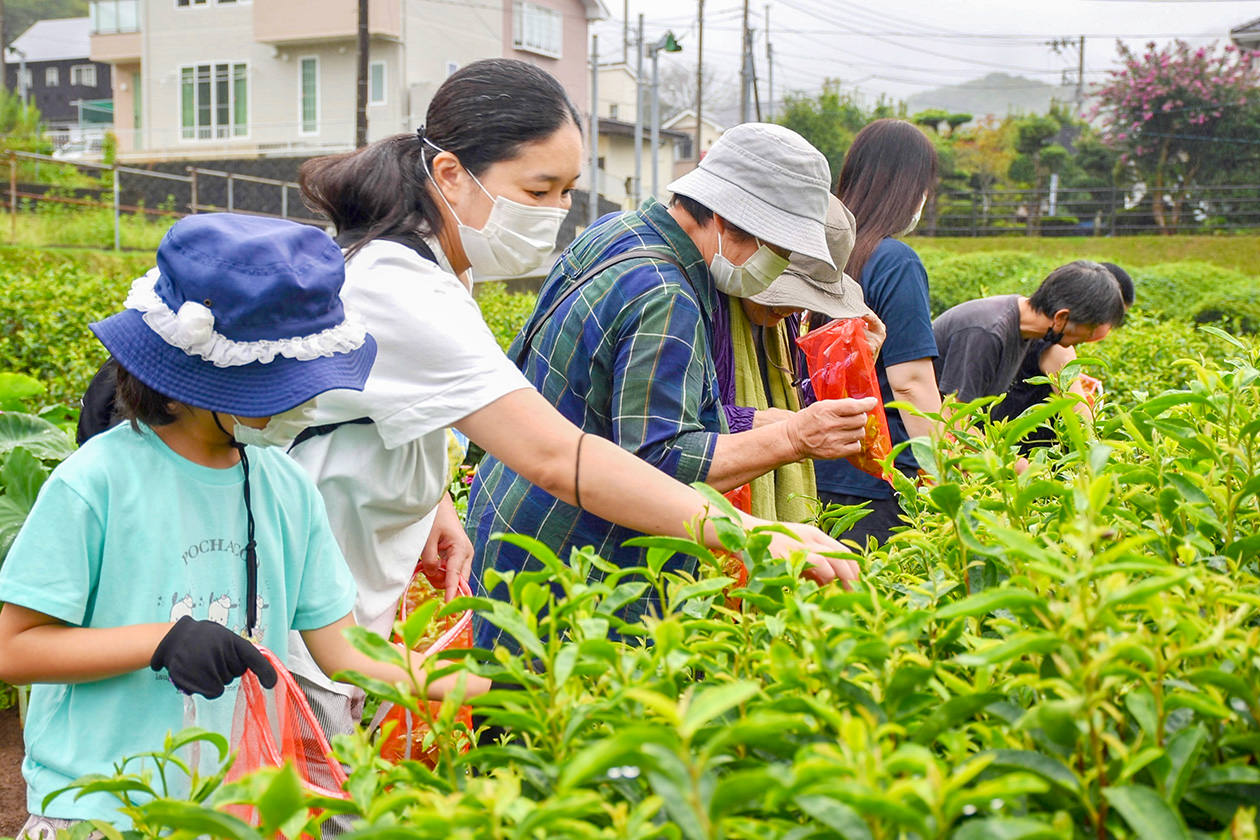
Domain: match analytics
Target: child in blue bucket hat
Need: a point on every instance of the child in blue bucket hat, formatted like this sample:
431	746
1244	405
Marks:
157	554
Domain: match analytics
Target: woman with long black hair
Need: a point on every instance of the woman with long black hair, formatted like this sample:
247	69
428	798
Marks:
887	175
481	187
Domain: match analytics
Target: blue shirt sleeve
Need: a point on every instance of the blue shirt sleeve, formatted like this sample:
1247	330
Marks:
659	384
895	284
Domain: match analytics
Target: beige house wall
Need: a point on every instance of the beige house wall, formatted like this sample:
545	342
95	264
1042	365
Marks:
420	43
617	175
617	94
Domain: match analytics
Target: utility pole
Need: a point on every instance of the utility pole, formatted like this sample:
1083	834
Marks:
361	93
744	52
593	189
699	73
1080	74
4	78
638	121
769	70
625	32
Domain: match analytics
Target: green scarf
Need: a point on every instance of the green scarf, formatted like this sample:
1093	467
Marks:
782	495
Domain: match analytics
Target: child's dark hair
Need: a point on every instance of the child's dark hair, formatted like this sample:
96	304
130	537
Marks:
484	113
137	402
1089	293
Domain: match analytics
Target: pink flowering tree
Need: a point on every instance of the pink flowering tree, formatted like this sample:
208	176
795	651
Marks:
1174	112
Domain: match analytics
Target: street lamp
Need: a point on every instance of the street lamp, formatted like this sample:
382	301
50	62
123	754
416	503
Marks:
667	43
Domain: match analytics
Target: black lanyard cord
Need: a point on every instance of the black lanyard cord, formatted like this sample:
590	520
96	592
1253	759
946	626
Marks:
251	546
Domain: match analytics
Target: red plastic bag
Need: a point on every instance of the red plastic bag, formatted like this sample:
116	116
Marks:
274	727
405	740
841	365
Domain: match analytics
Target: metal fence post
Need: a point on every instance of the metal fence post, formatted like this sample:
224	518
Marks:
284	200
117	215
13	197
1113	211
192	188
229	192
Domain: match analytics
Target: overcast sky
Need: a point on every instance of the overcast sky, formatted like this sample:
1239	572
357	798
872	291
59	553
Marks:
899	47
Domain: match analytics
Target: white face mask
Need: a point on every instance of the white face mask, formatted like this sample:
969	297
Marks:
753	277
914	222
516	238
280	430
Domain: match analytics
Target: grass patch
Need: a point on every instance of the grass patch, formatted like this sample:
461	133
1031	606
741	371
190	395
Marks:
1240	253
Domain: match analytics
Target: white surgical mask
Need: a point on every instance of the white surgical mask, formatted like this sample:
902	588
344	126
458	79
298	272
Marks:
280	430
753	277
914	222
516	238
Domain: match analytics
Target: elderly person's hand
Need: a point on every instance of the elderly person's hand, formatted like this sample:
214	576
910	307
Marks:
830	428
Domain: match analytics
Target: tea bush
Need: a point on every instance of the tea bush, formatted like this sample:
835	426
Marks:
1070	652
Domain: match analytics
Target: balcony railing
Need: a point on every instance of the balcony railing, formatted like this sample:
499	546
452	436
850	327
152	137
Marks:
109	17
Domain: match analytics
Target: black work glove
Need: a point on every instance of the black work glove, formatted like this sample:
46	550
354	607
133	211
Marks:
203	657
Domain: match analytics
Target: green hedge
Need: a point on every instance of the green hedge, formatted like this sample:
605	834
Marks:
49	299
1188	291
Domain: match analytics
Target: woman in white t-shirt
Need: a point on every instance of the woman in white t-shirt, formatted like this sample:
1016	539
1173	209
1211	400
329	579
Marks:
482	187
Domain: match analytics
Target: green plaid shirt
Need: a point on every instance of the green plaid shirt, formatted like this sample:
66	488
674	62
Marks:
627	358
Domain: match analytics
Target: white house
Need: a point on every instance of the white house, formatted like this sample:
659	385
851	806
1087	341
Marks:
232	78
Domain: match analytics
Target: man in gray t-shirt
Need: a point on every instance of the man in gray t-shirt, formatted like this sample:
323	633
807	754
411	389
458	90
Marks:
982	342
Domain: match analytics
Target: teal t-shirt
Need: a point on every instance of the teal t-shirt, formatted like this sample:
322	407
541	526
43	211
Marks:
125	532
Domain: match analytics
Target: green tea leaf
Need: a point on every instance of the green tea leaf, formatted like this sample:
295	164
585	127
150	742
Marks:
1146	812
988	600
711	702
837	816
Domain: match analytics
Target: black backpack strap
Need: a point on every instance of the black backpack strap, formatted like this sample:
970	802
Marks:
326	429
414	241
582	280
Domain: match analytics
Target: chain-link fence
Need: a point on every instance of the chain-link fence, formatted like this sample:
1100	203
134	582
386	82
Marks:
1093	211
53	201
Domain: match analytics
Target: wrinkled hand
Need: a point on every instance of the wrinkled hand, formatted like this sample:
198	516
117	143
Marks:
822	570
876	332
202	657
829	428
447	555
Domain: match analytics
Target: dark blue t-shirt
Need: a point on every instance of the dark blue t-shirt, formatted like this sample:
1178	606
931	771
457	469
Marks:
895	286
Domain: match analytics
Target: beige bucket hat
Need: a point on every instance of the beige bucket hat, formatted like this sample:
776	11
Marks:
811	284
767	180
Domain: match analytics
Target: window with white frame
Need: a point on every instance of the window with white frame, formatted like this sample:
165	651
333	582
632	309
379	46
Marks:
376	83
52	78
83	74
308	94
537	29
186	3
214	100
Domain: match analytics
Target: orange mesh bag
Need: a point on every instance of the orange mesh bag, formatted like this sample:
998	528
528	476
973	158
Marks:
405	740
274	727
841	365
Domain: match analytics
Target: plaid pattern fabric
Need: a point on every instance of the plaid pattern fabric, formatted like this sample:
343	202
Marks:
626	358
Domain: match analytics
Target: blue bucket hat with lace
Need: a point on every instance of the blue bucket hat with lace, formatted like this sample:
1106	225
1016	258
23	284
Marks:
242	315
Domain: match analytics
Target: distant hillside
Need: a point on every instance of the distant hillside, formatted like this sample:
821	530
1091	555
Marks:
20	14
996	93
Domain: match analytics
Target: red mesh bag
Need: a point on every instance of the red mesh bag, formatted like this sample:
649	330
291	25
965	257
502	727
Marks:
732	564
405	740
841	365
274	727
